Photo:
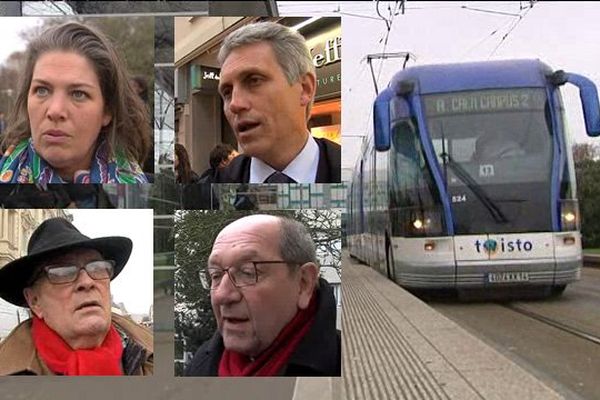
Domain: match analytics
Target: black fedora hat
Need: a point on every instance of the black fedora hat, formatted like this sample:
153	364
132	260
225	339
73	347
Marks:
52	236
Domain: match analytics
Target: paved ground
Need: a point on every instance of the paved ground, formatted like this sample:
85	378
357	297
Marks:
98	388
396	347
318	389
539	334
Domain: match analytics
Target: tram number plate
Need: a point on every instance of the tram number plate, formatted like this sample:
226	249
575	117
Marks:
502	277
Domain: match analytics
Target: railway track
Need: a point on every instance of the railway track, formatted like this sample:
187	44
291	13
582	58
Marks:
590	260
556	324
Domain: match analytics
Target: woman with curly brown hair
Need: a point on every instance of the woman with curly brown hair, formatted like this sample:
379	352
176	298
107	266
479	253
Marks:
77	118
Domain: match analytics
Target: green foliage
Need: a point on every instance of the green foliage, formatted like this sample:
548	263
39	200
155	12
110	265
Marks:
588	187
132	36
134	39
584	151
587	169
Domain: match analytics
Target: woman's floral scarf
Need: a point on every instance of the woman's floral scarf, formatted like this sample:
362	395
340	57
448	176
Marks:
21	164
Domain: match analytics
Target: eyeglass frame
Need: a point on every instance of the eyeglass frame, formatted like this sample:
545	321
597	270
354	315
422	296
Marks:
44	270
226	270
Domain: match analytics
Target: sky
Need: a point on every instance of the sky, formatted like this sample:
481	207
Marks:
135	284
565	35
10	27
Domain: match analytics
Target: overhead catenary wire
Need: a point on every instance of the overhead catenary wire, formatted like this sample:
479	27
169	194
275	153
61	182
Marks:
358	15
367	6
499	28
521	17
483	10
398	7
388	24
356	10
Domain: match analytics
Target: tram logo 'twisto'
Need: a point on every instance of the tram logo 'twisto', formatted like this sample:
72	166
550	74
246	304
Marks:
491	246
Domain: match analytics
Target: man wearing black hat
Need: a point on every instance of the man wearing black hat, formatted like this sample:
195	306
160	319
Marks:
65	282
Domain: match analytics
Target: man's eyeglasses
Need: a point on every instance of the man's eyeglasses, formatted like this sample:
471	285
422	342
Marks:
243	275
64	273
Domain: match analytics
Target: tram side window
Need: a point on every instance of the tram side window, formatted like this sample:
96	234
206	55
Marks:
413	196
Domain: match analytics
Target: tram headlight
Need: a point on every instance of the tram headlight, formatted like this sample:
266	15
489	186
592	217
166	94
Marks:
569	215
421	223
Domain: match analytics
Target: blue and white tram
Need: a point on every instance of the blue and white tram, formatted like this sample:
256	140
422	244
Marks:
468	179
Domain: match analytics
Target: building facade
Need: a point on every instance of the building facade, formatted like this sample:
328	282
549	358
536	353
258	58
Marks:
281	196
16	227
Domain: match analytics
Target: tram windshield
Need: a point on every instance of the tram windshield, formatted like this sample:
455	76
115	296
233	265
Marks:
495	148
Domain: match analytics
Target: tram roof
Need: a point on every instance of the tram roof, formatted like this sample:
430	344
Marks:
442	78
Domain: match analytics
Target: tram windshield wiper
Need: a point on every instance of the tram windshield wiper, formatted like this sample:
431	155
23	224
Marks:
468	180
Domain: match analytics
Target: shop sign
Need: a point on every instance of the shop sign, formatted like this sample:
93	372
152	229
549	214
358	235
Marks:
204	77
327	56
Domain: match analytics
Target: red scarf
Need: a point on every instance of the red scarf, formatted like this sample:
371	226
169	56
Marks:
63	360
272	360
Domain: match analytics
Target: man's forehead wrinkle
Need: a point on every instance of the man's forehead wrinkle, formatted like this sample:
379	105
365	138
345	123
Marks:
245	235
237	65
241	69
250	235
233	68
244	242
234	243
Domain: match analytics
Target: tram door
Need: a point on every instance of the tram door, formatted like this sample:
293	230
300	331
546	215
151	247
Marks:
372	212
382	209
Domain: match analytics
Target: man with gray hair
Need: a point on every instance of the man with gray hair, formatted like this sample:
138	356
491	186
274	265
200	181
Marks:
275	316
268	84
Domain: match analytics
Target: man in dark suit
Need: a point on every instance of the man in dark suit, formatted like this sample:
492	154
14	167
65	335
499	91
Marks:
268	84
220	156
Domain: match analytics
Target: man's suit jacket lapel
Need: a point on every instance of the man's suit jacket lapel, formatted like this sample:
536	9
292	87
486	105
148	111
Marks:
328	170
238	171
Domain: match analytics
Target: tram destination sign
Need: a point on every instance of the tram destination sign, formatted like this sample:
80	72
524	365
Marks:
476	102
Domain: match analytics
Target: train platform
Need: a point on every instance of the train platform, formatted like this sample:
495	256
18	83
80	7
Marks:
396	347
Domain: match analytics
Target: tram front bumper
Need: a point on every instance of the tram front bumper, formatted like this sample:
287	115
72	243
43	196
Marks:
489	273
517	272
